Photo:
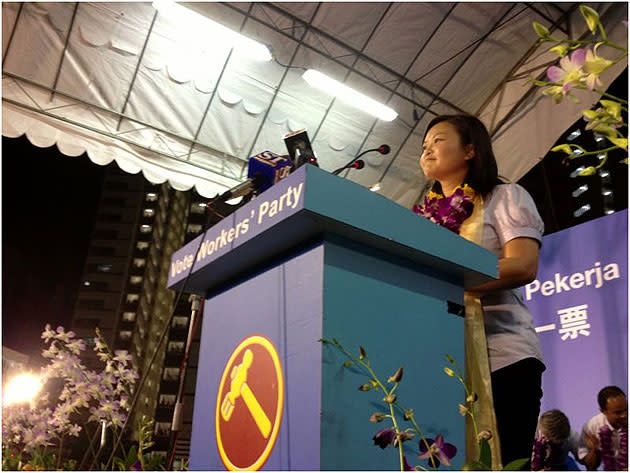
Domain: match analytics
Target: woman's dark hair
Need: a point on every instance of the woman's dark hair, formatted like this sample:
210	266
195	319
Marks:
483	174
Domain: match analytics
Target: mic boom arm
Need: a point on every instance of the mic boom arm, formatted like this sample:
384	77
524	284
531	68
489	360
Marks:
383	149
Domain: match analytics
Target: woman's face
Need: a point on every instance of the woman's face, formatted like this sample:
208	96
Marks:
444	157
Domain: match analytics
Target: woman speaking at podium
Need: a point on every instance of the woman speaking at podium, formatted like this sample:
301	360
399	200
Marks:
504	361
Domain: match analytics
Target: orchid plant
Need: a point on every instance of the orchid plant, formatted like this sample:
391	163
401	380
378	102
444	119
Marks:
435	451
33	434
580	67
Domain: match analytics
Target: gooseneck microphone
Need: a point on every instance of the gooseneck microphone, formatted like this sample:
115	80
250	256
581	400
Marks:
383	149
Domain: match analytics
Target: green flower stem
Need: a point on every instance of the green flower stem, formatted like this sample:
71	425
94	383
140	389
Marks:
419	432
610	96
368	367
60	449
470	413
587	153
602	31
581	87
574	42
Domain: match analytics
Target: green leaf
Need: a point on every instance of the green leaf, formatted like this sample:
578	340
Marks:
589	171
565	148
485	454
614	108
621	142
590	114
591	17
516	465
450	359
540	30
348	363
606	130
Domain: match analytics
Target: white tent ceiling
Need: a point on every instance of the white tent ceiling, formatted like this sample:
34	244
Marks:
126	83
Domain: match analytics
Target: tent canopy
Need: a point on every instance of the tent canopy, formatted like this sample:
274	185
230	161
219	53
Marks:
124	82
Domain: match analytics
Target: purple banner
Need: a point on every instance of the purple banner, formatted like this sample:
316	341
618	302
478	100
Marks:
277	203
580	307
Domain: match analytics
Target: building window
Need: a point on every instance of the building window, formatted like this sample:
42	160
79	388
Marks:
198	208
194	228
148	213
129	316
142	245
135	279
94	304
180	321
109	217
104	268
151	197
103	251
114	201
133	297
139	262
167	399
176	347
125	335
145	228
162	429
171	374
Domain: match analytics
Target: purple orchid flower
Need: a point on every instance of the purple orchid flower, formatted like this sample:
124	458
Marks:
384	437
438	452
406	465
569	70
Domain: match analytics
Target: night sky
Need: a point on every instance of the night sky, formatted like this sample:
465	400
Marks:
49	201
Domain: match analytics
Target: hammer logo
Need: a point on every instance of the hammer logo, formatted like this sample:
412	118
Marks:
239	388
249	404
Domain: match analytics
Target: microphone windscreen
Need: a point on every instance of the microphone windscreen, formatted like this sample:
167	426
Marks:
383	149
267	168
358	164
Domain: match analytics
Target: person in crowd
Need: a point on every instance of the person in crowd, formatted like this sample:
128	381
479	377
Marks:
604	438
468	198
553	442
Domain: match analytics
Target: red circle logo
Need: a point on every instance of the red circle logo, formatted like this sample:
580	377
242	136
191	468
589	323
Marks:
249	404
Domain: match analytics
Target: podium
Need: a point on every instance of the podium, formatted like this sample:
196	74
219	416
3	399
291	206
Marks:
318	257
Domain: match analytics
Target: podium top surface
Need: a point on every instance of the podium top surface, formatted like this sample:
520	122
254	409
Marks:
313	202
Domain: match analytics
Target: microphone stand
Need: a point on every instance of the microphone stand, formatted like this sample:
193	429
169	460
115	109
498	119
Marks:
337	171
177	423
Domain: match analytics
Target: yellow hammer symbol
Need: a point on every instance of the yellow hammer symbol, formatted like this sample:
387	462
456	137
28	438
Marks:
239	387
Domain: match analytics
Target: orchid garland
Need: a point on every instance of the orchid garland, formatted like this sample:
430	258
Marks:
546	455
611	460
448	212
580	67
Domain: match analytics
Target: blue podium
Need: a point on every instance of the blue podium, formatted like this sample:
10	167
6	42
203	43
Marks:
318	257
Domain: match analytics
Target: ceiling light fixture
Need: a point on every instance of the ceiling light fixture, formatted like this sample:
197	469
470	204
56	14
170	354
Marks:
349	95
190	20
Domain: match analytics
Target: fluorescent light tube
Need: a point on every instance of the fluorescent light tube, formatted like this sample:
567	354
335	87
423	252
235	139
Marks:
348	95
190	19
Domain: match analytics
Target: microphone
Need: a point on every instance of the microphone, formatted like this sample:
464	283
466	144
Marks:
383	149
358	164
263	171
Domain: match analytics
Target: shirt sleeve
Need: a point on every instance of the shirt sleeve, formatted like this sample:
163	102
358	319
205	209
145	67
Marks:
515	214
583	450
